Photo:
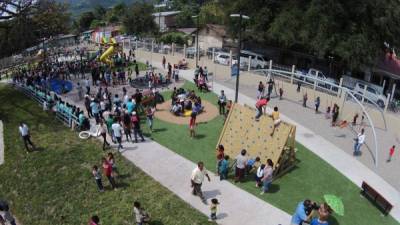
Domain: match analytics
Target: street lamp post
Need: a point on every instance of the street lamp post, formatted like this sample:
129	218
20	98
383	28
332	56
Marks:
197	39
241	17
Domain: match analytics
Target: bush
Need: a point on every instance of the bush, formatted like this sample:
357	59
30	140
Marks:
173	37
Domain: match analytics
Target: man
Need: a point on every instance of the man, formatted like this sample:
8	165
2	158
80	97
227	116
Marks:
222	103
24	131
197	179
301	215
87	85
241	162
94	107
359	141
117	132
138	96
261	103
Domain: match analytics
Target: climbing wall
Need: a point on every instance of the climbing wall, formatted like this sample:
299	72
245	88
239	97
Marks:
241	131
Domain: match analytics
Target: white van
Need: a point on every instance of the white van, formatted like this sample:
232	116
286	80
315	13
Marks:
257	60
371	94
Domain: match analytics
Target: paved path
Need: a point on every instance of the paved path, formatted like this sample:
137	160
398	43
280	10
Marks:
173	171
1	143
347	165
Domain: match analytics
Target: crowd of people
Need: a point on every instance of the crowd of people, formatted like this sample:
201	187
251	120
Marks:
183	101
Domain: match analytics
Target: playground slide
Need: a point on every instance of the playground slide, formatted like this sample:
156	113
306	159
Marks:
105	56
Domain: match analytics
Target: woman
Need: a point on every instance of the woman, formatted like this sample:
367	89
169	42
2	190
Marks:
107	169
103	133
267	176
192	124
111	161
220	156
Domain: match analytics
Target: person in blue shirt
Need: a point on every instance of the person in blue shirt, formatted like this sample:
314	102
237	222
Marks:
300	214
224	168
130	106
94	106
324	212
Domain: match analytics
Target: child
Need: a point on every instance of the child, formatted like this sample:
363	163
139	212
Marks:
94	220
259	175
213	208
111	161
305	98
192	124
328	113
97	176
150	115
253	164
228	107
220	157
224	168
391	153
280	93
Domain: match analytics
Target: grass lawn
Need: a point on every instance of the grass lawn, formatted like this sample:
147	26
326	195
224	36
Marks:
54	185
312	177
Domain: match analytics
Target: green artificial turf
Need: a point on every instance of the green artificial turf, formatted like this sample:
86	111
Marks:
54	185
311	178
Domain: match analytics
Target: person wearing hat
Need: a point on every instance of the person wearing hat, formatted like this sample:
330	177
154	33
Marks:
213	208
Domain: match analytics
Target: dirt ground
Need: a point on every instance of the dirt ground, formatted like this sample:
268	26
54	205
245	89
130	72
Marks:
163	113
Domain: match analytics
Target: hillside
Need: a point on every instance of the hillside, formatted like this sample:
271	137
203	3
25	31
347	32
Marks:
79	6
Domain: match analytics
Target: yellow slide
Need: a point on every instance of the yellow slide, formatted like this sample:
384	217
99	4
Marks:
105	57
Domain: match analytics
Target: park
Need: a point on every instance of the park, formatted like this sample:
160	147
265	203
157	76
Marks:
125	120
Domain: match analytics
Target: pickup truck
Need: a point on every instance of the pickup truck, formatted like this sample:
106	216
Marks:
312	74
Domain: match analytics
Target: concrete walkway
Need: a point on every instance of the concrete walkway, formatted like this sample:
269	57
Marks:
174	171
1	143
339	159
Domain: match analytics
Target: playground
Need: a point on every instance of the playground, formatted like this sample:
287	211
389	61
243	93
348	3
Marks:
298	172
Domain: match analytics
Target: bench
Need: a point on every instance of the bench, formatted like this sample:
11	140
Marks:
376	198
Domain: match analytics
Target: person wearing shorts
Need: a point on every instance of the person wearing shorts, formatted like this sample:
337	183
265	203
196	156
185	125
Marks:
276	119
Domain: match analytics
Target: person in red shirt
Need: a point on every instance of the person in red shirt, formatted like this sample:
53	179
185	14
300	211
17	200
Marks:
391	153
107	169
192	124
261	103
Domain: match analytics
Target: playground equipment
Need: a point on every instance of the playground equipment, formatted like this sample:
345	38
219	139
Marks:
105	57
60	86
242	132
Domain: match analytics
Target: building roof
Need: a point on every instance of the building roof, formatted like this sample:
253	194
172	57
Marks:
187	30
88	32
390	63
64	36
219	29
169	13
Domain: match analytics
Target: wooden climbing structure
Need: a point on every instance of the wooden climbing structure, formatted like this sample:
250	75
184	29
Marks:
241	131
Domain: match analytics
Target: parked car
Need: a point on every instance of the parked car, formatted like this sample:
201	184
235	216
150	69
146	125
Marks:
191	52
257	60
224	58
371	94
314	75
217	50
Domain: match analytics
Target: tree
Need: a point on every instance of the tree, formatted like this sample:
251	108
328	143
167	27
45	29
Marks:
51	18
139	20
184	18
85	20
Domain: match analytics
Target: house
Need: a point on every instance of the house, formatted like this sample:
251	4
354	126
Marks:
86	35
166	20
107	32
62	40
212	35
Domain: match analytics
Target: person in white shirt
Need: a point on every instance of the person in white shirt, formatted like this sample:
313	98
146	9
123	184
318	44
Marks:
359	141
197	179
117	132
241	162
24	131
